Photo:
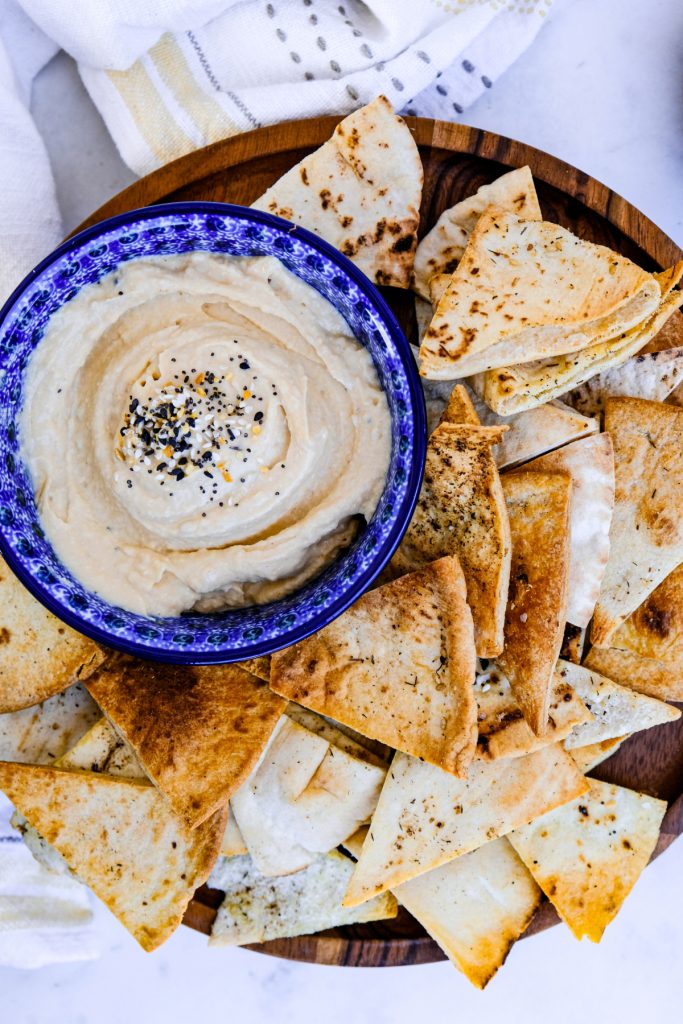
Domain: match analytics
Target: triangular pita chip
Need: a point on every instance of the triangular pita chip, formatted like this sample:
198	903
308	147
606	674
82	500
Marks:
535	431
588	855
258	909
461	511
517	388
670	336
398	666
646	536
426	817
616	710
589	757
440	251
39	654
646	675
503	732
305	797
461	409
342	736
43	732
233	844
573	644
527	290
361	192
651	375
475	907
655	629
590	463
198	731
538	507
120	838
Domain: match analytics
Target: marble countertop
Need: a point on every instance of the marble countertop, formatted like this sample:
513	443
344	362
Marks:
602	88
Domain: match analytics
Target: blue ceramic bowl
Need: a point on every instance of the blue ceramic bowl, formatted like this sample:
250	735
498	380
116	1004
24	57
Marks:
215	227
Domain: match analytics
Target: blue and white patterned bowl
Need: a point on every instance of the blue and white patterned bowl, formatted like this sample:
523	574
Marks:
215	227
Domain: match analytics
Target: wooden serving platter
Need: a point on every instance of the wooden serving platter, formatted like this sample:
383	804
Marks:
457	160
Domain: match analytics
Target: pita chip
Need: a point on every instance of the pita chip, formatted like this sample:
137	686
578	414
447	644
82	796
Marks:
589	757
645	675
573	644
233	844
39	655
461	511
521	387
646	536
588	854
426	817
43	732
460	409
197	731
398	667
615	710
101	749
527	290
590	463
655	629
361	192
440	251
535	431
258	909
342	736
120	838
503	732
651	375
538	507
305	797
475	907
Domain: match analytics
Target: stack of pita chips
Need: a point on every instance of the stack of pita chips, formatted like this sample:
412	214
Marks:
438	733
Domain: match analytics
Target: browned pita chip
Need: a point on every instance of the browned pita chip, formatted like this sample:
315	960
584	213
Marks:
39	655
398	666
198	731
655	629
538	506
461	511
120	838
651	375
527	290
361	192
460	408
590	463
646	535
646	675
573	644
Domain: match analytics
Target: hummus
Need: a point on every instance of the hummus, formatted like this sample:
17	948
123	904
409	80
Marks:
202	432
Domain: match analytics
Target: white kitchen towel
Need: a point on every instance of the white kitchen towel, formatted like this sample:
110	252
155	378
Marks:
171	75
45	918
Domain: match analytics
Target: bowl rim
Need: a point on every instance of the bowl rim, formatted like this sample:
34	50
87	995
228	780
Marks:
295	634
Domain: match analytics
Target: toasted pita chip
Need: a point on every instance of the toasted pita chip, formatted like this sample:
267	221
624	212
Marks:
670	336
646	675
398	666
338	735
503	731
440	251
475	907
616	710
534	432
258	909
43	732
361	192
573	644
590	463
589	757
655	629
652	375
461	511
460	409
39	655
121	839
588	855
647	527
527	290
538	507
518	388
259	667
305	797
198	731
426	817
233	844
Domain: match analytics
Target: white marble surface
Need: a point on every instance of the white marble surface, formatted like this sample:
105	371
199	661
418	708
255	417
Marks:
603	90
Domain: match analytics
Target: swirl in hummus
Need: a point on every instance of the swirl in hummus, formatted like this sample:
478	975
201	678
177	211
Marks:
202	432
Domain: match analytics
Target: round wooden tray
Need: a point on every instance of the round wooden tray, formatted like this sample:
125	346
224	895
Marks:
457	160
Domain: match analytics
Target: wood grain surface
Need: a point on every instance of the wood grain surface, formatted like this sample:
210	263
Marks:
457	160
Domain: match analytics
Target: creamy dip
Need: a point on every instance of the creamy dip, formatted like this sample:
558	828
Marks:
202	432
